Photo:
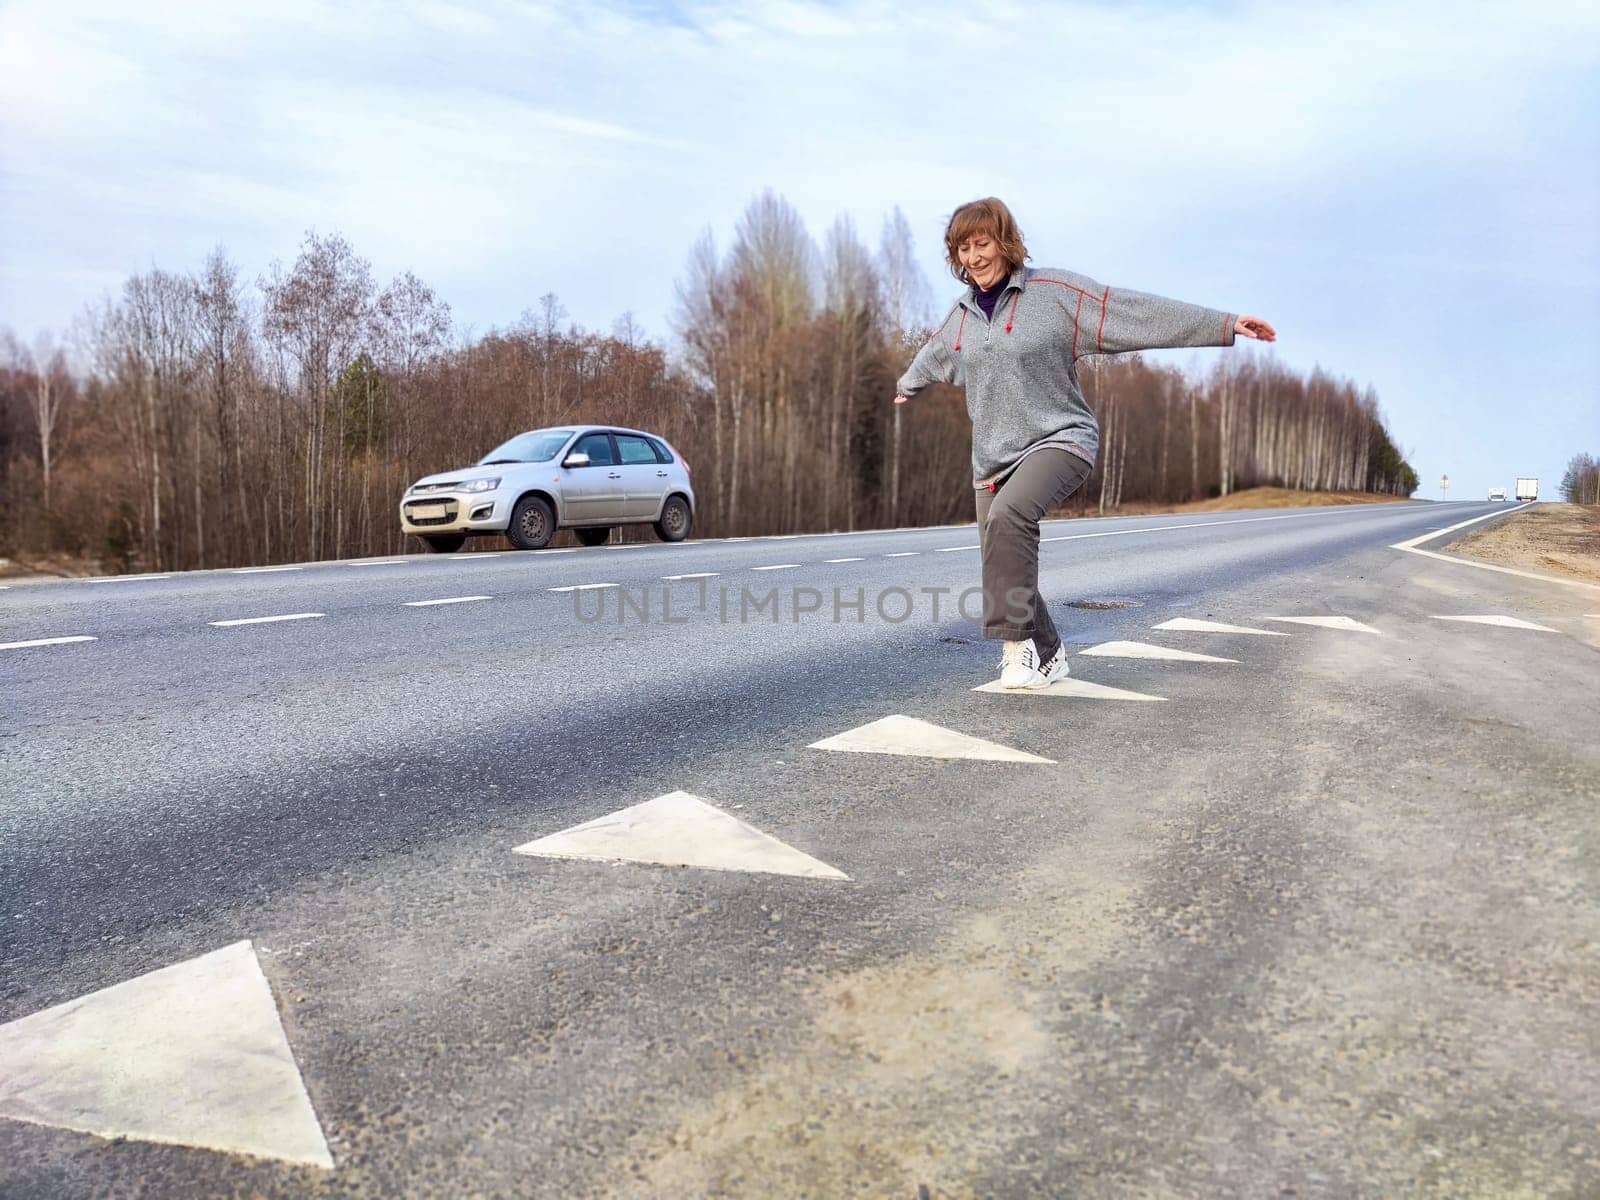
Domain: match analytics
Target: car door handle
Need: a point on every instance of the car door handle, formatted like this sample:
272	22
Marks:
661	474
615	475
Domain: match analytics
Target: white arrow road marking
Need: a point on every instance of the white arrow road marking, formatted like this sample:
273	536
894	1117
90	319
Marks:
263	570
1344	623
60	641
190	1055
1508	622
447	600
680	830
1190	625
266	620
922	739
1147	650
1080	689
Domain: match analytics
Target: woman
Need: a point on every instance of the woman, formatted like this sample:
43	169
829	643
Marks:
1013	340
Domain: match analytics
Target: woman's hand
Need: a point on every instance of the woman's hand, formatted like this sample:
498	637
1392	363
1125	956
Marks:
1254	327
901	399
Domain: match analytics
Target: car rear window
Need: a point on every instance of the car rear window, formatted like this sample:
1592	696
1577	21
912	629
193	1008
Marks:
635	450
662	453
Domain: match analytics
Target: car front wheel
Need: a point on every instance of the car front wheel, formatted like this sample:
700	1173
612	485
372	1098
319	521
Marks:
674	523
533	524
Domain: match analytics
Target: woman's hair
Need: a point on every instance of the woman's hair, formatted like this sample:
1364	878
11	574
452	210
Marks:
990	216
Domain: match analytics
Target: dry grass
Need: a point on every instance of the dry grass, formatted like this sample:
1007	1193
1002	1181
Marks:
1260	497
1560	538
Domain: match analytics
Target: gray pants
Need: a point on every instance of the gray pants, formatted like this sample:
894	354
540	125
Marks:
1008	539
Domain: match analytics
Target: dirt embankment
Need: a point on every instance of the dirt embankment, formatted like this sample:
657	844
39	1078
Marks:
1259	497
1563	539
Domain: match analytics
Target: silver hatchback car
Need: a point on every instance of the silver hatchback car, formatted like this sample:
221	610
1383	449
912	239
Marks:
589	478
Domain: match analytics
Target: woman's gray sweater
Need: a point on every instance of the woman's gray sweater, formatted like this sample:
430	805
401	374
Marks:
1020	369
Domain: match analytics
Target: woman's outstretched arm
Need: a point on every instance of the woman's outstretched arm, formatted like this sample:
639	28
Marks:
1119	320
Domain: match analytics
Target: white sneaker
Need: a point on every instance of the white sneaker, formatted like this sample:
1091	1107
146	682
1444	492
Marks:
1057	667
1019	665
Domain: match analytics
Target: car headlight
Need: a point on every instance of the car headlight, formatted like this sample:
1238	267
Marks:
480	485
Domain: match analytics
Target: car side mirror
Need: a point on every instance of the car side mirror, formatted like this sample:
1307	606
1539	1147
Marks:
577	459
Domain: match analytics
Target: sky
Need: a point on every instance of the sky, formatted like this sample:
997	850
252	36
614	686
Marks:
1409	193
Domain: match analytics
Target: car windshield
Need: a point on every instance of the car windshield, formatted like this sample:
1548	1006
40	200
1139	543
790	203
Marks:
539	445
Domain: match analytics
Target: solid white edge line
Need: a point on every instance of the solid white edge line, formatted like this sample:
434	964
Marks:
447	600
265	620
1412	546
1419	539
60	641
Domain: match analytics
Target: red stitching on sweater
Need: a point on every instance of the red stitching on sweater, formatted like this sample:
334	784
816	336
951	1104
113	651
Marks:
960	327
1013	315
1099	337
946	321
1063	283
1075	313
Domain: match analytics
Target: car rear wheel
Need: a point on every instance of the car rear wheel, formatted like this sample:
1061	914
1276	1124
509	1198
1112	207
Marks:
674	523
533	524
444	543
594	537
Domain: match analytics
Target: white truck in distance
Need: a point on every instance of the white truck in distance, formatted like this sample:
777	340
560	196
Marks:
1497	493
1527	487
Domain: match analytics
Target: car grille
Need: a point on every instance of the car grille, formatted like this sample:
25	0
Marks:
423	488
451	508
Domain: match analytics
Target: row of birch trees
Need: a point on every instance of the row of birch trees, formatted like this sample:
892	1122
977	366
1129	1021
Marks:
200	419
1580	484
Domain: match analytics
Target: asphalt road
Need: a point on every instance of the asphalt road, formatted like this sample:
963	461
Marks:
1323	923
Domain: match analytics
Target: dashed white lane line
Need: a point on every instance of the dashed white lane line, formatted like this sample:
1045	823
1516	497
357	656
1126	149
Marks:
581	587
903	554
60	641
1190	625
680	830
193	1054
694	575
1508	622
953	549
1344	623
1147	650
921	739
446	600
559	550
125	578
777	567
266	620
262	570
1080	689
377	562
841	560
